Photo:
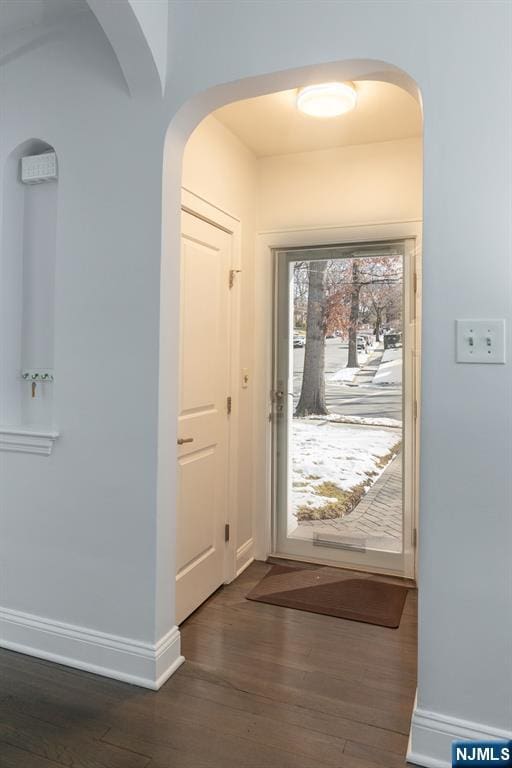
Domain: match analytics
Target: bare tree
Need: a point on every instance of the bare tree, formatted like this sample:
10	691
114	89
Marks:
355	291
381	298
384	293
300	293
312	395
334	295
374	287
338	281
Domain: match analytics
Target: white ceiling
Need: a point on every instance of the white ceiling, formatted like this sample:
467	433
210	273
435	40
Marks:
24	22
272	125
16	15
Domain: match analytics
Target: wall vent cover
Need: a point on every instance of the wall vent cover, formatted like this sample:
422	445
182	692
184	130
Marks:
38	168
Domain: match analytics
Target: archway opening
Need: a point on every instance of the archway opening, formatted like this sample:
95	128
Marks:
223	187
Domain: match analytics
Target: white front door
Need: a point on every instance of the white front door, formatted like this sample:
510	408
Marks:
203	420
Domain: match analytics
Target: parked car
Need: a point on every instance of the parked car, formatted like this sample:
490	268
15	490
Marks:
363	343
299	341
392	339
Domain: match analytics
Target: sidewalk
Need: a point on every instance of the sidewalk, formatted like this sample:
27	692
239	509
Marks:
389	371
369	369
376	522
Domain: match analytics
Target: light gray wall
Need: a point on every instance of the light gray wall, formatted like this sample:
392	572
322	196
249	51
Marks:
77	529
82	536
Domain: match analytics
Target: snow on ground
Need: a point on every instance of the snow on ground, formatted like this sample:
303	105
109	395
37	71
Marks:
390	368
338	453
379	421
345	375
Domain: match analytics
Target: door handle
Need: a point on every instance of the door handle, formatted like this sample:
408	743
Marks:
182	440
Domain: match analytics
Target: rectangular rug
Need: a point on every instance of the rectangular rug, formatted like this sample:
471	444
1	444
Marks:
333	592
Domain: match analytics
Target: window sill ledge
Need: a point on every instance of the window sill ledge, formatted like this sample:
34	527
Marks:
27	440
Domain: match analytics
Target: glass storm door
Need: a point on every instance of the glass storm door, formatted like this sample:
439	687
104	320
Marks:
343	409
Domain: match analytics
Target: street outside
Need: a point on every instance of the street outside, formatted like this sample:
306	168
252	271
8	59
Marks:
366	400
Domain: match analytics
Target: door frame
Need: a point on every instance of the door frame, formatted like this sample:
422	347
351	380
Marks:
203	209
267	244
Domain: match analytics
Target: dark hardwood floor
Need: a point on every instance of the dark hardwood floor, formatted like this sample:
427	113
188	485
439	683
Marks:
262	687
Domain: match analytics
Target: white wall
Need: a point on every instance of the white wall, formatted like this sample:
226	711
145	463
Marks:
152	16
218	167
86	534
11	291
77	528
345	186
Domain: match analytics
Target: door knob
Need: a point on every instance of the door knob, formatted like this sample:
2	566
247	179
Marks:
182	440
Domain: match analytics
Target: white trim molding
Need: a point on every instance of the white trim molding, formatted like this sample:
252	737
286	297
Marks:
204	209
267	242
432	733
244	556
21	440
145	664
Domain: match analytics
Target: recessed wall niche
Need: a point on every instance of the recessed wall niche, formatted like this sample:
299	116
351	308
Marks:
27	289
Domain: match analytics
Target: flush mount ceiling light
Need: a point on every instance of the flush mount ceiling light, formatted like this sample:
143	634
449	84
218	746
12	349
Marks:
327	99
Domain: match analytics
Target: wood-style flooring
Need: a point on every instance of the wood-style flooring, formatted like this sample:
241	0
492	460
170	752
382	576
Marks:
262	687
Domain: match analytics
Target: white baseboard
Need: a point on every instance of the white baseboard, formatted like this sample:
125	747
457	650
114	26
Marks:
132	661
244	556
432	733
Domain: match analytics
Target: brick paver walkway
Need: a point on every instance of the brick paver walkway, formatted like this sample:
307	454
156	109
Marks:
376	522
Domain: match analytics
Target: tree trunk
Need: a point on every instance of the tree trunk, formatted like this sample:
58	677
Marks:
354	316
378	323
312	395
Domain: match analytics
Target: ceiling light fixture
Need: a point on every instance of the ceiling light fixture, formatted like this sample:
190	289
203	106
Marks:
327	99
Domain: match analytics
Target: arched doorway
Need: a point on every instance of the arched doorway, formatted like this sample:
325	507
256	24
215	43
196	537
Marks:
178	134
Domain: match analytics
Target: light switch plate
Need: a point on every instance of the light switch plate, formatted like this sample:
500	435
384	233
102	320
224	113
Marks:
480	341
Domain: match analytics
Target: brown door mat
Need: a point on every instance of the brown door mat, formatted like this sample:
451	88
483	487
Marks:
333	592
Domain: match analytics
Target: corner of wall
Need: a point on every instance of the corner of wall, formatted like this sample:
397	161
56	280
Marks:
432	733
148	665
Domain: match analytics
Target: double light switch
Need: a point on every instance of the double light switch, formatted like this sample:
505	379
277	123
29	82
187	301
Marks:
480	341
